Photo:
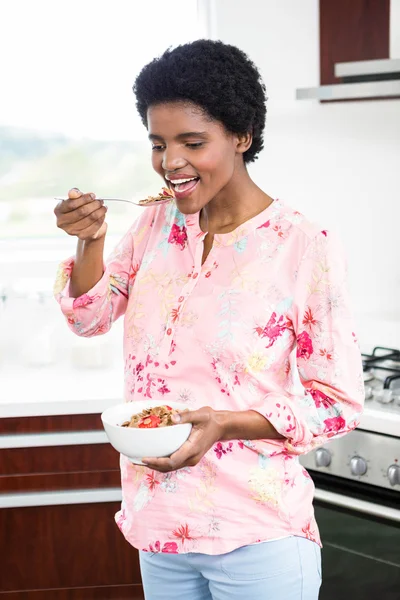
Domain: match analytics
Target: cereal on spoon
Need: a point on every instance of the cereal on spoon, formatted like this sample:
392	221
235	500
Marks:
165	194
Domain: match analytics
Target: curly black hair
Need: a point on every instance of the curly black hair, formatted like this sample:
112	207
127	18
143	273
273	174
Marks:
217	77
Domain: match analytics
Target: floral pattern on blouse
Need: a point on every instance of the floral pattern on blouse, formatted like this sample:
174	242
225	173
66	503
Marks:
264	324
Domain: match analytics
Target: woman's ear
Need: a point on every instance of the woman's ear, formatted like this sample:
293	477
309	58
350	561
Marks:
244	141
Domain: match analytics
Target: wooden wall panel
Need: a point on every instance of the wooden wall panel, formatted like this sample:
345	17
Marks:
71	546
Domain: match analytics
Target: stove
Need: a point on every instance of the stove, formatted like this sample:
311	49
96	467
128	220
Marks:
370	454
357	492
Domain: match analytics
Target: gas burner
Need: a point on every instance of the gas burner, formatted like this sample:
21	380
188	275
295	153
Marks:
382	375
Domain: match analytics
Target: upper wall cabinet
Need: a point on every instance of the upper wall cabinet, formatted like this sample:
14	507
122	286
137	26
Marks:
355	51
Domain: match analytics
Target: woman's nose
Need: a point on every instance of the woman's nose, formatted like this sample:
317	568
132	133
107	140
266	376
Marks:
172	160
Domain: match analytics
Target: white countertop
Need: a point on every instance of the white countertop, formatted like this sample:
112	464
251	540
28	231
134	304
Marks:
374	420
56	391
381	418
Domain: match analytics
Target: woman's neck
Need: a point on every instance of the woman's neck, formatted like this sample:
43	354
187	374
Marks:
238	202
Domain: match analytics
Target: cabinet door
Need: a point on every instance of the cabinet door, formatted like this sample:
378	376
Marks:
66	552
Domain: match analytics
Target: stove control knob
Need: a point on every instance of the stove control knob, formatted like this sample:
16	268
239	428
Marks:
358	465
323	457
383	396
393	474
368	392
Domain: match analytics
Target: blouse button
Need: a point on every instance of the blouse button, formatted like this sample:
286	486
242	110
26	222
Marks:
169	331
181	299
195	275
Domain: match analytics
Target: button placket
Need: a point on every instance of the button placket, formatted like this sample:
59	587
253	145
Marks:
196	270
170	327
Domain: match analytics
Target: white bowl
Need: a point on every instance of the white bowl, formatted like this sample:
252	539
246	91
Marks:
138	443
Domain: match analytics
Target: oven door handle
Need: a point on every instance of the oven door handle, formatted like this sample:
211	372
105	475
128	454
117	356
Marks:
362	506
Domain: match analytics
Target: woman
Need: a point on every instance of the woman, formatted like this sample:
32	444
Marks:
231	301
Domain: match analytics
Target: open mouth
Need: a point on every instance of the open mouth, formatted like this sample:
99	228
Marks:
184	186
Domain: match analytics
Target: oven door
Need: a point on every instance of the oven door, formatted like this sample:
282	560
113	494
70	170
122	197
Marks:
360	531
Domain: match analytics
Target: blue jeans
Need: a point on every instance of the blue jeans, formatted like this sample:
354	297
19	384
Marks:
287	569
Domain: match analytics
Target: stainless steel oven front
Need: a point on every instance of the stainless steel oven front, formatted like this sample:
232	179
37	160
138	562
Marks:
357	506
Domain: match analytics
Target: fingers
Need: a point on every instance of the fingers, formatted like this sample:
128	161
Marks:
166	465
74	193
190	416
94	217
200	440
90	213
95	231
188	455
163	465
77	200
82	217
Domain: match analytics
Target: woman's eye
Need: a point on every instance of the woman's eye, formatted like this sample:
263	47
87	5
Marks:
157	148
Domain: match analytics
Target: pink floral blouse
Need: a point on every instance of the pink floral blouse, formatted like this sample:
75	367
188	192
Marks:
264	324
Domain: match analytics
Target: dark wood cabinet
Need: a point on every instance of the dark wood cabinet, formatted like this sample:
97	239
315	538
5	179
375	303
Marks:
351	31
62	551
74	548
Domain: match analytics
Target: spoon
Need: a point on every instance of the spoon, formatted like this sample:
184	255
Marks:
144	204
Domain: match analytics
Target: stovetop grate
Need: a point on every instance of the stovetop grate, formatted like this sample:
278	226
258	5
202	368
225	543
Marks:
384	364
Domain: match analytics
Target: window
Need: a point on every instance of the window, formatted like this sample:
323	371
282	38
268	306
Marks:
68	118
68	115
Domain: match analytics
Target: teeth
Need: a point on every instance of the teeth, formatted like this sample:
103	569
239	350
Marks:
178	181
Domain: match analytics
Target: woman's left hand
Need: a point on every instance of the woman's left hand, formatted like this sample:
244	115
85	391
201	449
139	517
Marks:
206	431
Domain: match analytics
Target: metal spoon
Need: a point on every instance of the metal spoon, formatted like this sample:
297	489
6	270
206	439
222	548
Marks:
124	200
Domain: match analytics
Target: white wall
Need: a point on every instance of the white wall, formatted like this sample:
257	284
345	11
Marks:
337	163
394	33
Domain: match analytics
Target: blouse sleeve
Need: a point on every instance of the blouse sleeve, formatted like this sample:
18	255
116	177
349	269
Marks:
94	312
327	354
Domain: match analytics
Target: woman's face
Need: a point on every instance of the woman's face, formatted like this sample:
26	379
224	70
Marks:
187	145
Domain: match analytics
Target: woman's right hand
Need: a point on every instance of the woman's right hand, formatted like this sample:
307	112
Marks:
82	215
